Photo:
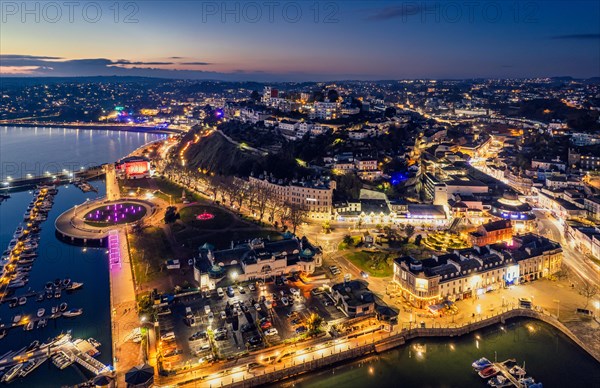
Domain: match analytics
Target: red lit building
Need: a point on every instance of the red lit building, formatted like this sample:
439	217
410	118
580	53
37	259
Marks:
134	167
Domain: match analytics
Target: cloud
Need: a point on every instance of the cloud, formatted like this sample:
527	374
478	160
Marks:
32	57
196	63
176	57
577	36
389	13
126	62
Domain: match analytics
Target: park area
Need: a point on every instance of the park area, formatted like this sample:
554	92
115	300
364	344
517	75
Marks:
377	264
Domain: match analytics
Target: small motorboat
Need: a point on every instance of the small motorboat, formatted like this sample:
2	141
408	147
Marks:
42	323
57	294
517	371
3	333
488	372
499	381
32	346
40	297
526	381
73	313
49	295
56	282
63	306
66	282
29	326
12	373
54	309
22	301
73	286
49	286
41	312
482	363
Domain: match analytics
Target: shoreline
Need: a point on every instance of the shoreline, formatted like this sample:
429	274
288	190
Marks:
95	127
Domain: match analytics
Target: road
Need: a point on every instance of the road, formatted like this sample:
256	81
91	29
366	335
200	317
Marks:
583	267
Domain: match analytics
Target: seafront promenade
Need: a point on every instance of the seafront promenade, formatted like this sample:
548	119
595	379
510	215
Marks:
312	355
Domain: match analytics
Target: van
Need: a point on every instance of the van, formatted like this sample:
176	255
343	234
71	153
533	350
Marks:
220	292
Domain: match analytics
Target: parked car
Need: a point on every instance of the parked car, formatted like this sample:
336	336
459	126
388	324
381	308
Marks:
265	325
221	330
296	321
211	316
221	336
188	313
301	329
220	292
246	327
198	335
257	307
255	340
170	336
223	315
271	331
207	309
230	292
251	287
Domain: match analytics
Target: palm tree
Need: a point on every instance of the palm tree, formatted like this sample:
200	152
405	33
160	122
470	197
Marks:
314	323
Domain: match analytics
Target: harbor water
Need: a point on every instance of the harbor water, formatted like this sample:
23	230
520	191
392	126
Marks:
56	259
549	356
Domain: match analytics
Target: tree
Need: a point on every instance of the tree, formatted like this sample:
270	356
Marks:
296	214
410	230
418	239
261	198
255	96
348	240
274	206
390	112
326	226
588	291
314	323
332	95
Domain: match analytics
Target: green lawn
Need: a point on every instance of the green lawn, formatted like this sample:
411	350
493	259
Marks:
222	219
222	240
375	264
149	251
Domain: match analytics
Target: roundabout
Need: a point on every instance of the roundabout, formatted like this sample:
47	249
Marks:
90	222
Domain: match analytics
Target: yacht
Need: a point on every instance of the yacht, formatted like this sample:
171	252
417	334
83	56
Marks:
22	301
29	326
73	313
41	312
12	373
54	309
73	286
17	318
63	306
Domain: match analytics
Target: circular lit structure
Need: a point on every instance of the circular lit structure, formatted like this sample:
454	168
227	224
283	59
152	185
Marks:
205	216
115	214
509	207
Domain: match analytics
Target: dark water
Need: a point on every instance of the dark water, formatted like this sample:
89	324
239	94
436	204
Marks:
37	150
57	148
549	357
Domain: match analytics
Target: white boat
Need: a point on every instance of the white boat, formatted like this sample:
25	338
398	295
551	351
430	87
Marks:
41	312
73	286
17	318
29	326
12	373
73	313
22	301
63	306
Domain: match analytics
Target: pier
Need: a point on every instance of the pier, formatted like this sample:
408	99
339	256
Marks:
78	351
23	183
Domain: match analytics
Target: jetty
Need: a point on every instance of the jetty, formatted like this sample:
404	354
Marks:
63	350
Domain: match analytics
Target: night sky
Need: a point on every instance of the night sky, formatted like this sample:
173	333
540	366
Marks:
302	40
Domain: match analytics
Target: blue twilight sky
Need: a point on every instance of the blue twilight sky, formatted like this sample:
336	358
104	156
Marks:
301	40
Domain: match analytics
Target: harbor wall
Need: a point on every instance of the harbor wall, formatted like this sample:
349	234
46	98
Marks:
400	337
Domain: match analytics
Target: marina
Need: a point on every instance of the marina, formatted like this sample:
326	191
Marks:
62	350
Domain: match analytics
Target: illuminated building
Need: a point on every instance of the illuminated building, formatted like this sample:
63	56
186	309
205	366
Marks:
454	276
509	207
134	167
492	232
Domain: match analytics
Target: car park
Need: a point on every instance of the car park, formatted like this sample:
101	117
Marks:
272	331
